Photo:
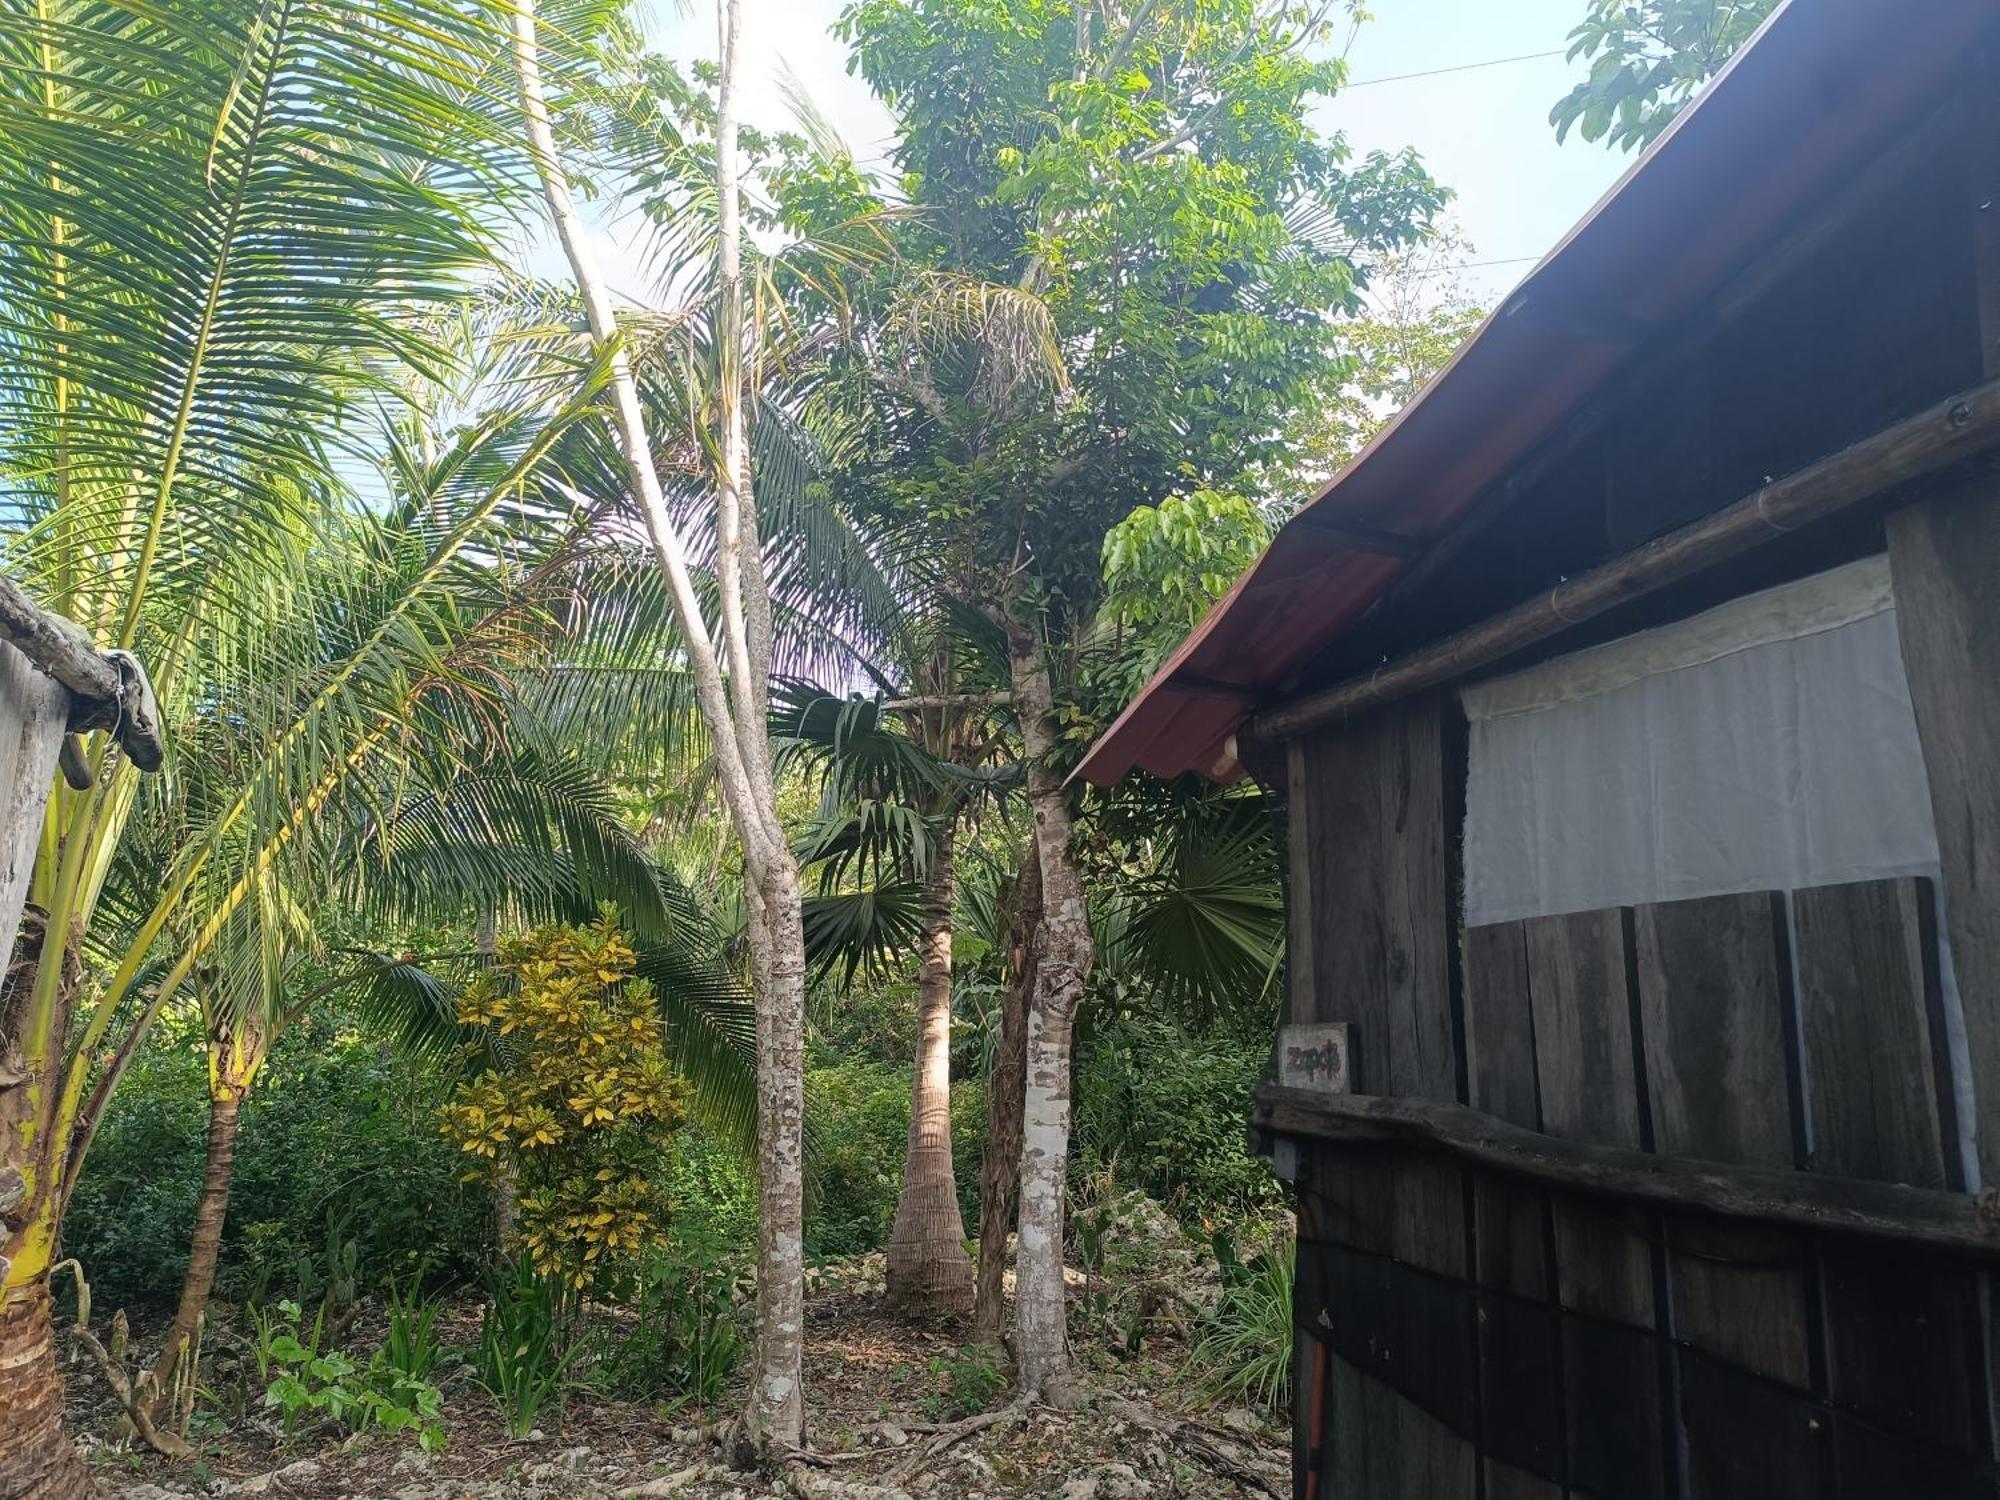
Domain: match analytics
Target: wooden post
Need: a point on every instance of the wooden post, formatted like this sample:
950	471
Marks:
34	708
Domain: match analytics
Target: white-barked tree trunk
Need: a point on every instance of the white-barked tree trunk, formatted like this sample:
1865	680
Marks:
929	1270
1041	1344
734	712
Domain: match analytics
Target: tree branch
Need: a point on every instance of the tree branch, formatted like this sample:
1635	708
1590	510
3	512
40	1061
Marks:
922	392
946	700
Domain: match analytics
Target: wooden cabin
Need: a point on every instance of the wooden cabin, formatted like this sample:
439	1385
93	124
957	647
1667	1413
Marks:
1634	706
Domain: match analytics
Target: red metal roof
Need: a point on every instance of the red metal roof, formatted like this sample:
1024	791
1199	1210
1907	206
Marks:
1820	89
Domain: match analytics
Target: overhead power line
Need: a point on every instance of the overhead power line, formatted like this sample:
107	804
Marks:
1491	62
1473	265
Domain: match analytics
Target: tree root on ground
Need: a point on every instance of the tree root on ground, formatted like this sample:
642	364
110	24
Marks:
808	1485
136	1399
667	1484
952	1433
1193	1438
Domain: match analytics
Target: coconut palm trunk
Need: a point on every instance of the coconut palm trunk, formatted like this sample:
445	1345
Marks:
1063	961
929	1271
235	1054
37	1460
1000	1172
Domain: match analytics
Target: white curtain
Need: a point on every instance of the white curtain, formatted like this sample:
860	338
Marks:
1765	745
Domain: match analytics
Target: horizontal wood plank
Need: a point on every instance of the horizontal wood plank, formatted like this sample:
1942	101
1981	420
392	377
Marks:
1808	1200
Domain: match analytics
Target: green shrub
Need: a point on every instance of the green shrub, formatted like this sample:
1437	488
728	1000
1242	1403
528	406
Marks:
683	1339
579	1104
338	1148
864	1023
859	1122
1170	1112
1245	1349
963	1384
860	1116
304	1379
713	1188
133	1212
412	1344
524	1348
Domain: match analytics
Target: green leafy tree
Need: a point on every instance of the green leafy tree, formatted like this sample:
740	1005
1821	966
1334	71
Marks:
1165	566
1647	59
1420	311
1137	190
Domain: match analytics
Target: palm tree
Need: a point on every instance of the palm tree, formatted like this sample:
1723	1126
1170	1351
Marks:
216	219
898	778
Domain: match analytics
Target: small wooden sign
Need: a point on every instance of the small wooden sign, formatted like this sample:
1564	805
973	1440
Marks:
1313	1055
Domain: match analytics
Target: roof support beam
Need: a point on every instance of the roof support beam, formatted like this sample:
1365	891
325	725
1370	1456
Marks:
1957	428
1212	687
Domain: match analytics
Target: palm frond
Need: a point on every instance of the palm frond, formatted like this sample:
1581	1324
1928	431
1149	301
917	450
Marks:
1203	929
863	932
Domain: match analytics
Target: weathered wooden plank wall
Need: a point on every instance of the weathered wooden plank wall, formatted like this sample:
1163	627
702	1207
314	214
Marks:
33	710
1367	842
1714	1005
1586	1078
1617	1352
1520	1353
1868	991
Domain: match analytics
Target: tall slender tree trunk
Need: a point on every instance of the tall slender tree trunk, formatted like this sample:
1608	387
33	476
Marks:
776	1413
234	1058
735	712
1000	1172
929	1271
506	1186
37	1460
1063	960
777	1397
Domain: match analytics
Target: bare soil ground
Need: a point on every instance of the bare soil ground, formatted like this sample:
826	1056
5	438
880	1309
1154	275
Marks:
876	1433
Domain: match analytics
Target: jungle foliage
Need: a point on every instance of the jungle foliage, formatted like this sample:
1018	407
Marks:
451	830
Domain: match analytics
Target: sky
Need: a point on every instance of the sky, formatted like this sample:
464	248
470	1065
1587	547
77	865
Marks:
1483	132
